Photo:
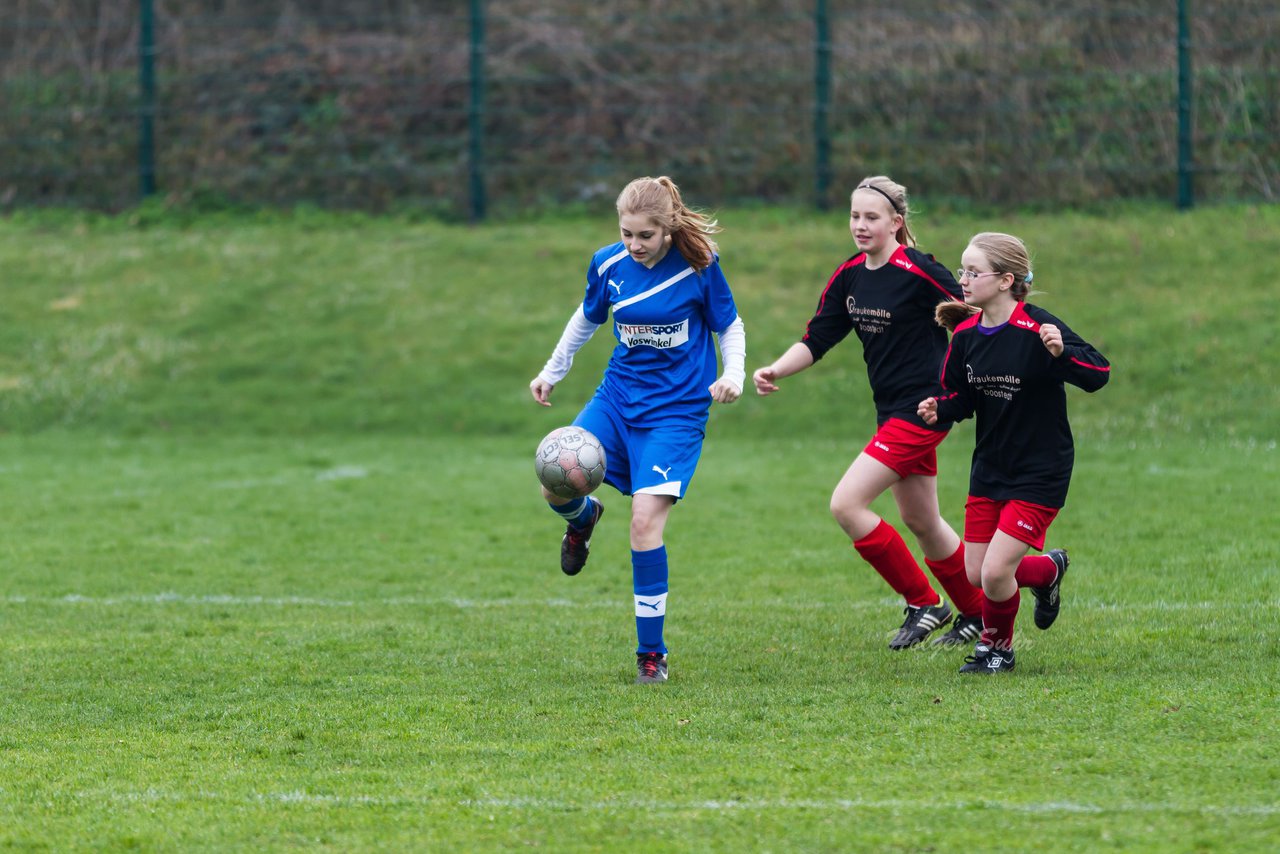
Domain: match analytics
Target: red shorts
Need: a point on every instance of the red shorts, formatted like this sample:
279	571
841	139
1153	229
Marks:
906	448
1021	520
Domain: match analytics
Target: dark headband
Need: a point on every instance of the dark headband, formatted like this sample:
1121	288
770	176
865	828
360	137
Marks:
892	203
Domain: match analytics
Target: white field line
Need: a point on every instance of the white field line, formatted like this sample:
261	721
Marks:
230	600
831	805
850	804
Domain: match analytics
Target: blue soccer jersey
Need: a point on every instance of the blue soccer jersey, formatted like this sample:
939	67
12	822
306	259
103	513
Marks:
663	320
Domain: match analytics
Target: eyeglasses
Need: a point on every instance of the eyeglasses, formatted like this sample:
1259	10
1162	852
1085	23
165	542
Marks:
962	273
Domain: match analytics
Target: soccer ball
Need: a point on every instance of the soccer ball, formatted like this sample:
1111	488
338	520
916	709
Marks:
570	462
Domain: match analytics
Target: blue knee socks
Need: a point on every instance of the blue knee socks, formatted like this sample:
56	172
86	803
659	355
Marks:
649	577
577	512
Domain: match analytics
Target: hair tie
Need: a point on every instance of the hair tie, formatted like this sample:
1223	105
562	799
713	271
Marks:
892	203
1029	277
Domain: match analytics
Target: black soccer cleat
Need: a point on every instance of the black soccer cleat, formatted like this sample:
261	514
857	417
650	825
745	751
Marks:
987	660
963	631
576	544
1049	597
651	667
920	622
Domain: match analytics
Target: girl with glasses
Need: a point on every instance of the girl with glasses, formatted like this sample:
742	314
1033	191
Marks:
886	294
1007	364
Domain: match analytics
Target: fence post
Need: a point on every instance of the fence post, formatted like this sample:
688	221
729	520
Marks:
1186	151
475	113
821	105
147	99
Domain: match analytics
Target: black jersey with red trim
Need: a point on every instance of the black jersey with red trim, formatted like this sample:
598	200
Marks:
1024	449
891	309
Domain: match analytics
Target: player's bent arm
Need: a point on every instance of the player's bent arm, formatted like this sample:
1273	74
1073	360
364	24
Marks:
577	331
796	359
1079	363
733	353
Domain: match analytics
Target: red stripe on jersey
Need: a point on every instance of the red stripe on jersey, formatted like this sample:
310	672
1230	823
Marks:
852	262
1106	369
900	259
942	373
968	323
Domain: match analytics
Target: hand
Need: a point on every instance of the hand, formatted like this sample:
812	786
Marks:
763	378
541	390
1052	338
723	391
928	410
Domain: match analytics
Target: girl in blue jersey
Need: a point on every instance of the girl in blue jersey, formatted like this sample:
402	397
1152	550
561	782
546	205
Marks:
886	294
663	284
1007	363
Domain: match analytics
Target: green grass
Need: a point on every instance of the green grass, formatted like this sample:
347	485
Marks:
275	574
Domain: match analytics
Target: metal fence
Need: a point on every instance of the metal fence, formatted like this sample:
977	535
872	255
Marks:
469	107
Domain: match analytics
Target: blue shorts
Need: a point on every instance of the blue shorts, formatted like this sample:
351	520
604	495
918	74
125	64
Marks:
653	461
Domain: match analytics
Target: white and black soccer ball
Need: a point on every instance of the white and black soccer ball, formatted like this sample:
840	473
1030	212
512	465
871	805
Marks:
570	462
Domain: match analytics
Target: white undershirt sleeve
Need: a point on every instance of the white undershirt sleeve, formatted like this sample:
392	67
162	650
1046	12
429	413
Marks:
577	332
733	352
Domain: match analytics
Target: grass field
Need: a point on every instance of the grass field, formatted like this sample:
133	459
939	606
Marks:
276	575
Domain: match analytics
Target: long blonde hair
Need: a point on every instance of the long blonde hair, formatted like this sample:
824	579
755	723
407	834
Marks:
896	195
659	200
1006	254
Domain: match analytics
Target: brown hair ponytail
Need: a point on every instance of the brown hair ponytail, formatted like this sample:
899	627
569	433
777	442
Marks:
952	313
659	200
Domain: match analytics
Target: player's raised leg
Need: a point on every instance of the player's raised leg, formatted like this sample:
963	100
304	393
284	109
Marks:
583	512
581	515
1043	574
882	546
